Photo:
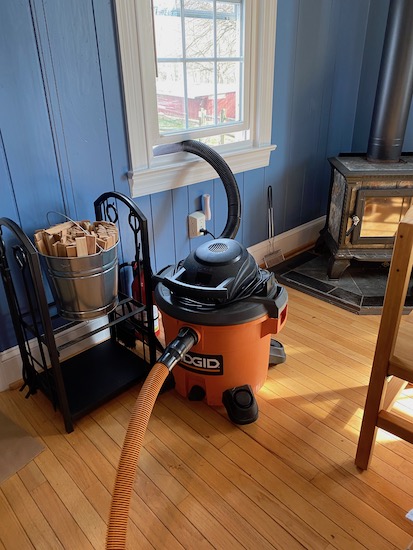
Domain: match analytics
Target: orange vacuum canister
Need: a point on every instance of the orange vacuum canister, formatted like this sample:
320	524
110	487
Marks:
235	307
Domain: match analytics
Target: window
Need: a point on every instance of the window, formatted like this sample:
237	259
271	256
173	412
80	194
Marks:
196	69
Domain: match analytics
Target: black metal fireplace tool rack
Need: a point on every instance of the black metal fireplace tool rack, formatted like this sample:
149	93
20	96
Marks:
81	383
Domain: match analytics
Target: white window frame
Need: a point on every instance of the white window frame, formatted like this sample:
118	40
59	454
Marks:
149	174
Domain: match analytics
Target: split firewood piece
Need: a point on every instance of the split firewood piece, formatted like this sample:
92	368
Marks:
38	239
71	251
81	247
91	244
85	224
48	241
56	229
59	249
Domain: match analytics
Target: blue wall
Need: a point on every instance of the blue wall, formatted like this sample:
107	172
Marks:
62	134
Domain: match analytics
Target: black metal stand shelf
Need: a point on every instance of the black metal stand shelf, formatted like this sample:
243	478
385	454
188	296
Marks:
85	381
95	375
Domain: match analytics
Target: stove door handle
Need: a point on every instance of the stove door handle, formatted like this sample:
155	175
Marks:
356	221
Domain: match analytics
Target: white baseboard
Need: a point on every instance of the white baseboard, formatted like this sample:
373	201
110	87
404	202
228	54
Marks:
10	359
300	237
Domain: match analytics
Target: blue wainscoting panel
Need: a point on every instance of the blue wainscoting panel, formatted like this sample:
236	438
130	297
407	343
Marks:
180	222
162	229
307	90
8	210
219	207
24	119
408	138
63	127
73	67
278	172
254	207
373	45
112	93
347	37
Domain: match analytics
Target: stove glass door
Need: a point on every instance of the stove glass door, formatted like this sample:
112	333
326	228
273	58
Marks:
380	212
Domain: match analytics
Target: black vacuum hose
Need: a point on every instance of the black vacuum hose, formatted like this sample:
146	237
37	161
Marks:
224	172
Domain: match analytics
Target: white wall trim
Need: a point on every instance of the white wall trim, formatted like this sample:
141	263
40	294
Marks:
300	237
182	173
10	359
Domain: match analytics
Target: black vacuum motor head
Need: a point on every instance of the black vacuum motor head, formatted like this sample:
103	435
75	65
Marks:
221	262
219	271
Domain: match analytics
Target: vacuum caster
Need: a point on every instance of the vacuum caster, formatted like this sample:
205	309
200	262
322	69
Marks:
241	405
277	353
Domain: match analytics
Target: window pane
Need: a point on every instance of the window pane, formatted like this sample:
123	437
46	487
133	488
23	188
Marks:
228	88
199	29
201	97
228	29
168	29
171	97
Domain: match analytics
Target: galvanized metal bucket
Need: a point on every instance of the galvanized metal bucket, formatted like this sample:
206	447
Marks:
86	287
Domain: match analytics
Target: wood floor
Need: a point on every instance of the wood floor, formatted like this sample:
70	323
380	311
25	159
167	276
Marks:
287	481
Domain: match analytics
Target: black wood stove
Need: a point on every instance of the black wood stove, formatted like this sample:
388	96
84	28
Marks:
367	202
370	193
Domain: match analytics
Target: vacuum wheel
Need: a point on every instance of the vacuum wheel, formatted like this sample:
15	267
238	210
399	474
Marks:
240	404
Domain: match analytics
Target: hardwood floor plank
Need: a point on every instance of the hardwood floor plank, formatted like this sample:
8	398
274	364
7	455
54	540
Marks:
12	533
34	523
60	518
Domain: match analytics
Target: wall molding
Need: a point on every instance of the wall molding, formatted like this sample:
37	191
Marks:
10	359
298	238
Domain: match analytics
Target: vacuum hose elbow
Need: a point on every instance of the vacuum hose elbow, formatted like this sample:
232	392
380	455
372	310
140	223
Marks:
223	171
174	352
128	462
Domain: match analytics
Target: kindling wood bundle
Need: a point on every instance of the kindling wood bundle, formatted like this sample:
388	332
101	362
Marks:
76	239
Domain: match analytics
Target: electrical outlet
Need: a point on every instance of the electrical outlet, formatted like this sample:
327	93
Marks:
196	222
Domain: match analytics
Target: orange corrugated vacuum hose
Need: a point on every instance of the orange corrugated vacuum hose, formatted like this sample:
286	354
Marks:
128	462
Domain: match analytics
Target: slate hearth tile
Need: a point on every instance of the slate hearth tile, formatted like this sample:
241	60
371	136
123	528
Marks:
308	281
349	297
372	301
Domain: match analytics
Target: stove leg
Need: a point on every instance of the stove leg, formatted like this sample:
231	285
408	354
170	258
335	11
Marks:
336	267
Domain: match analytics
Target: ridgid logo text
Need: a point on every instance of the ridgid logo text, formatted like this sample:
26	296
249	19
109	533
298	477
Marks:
205	364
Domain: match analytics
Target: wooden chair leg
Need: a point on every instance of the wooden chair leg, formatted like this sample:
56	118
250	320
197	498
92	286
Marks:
367	438
381	396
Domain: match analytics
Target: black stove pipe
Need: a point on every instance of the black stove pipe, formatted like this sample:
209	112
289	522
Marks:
395	86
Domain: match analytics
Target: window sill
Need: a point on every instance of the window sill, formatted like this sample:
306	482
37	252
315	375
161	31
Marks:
186	172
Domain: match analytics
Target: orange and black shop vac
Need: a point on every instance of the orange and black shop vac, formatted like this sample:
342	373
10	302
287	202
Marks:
219	310
233	306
